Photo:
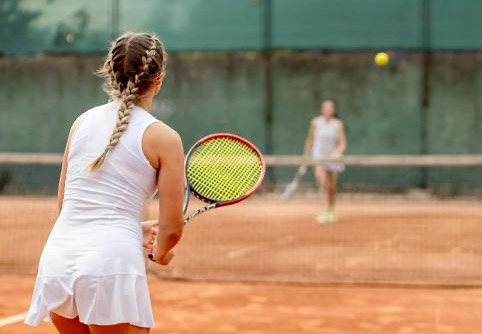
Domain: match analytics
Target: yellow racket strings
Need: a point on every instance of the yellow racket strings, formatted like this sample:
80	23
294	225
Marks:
223	169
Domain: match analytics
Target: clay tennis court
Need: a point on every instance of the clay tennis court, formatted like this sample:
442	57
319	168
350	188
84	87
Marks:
390	265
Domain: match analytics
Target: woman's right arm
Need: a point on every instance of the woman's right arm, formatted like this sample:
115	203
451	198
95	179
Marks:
165	144
309	140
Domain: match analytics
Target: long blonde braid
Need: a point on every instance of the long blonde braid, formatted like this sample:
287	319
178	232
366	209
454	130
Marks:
128	93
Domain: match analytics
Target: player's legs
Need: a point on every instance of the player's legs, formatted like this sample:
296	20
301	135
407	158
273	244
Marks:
327	184
320	174
331	180
69	326
321	179
74	326
118	329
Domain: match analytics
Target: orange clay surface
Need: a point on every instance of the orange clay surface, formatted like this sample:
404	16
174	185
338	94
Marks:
264	266
189	307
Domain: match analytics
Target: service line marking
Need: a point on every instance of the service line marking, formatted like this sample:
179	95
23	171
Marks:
13	319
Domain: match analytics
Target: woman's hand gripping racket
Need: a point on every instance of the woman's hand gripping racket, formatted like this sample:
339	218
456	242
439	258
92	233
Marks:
221	169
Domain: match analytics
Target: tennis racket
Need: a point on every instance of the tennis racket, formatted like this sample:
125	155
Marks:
293	185
221	169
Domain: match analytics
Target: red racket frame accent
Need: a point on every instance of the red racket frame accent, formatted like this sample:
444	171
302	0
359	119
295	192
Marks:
238	138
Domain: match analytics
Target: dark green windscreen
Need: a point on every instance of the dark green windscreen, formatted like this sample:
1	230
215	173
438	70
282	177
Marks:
346	24
38	26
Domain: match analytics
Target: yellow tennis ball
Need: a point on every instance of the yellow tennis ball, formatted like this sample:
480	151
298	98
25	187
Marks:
382	58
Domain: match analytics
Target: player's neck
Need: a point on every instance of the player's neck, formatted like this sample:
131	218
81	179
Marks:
145	103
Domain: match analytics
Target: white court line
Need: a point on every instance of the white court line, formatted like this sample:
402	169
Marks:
13	319
240	252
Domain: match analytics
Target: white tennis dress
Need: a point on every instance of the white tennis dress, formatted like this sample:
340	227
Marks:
93	265
325	142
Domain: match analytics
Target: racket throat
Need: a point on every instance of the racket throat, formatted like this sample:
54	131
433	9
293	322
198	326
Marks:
199	211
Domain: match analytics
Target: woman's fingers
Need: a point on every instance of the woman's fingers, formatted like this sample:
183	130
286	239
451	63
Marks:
148	246
148	225
150	236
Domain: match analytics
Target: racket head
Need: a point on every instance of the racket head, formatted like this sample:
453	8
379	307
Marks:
224	168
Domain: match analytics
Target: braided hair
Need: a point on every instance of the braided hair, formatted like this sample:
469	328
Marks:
133	63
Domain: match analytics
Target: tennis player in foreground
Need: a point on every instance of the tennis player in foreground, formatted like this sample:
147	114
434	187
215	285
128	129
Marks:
326	139
92	275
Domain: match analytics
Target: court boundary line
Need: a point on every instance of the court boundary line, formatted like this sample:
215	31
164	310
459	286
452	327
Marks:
243	251
13	319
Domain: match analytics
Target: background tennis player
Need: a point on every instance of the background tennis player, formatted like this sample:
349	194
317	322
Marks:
92	275
326	139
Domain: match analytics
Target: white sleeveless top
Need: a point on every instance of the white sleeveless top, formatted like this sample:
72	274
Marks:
93	265
125	179
325	142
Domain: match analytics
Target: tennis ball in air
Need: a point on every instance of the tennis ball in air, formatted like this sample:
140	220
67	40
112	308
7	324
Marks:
382	58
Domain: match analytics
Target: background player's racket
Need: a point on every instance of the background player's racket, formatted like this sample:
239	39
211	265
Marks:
293	185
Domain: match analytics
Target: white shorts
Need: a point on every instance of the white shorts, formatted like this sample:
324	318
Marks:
329	167
333	167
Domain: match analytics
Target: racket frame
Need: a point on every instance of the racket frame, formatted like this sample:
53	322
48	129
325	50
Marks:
211	204
291	188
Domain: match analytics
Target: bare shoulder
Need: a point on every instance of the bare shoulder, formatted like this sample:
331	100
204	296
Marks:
161	142
315	120
160	135
339	123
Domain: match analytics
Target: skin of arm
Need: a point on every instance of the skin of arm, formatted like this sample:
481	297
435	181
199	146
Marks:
309	139
341	145
163	148
63	171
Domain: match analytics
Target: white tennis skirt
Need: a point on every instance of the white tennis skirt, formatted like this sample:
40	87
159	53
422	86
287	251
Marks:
94	271
329	167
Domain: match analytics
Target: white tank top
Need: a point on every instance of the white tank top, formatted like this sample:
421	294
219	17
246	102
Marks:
119	189
325	138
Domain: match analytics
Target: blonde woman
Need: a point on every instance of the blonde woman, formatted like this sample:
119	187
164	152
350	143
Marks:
92	276
326	139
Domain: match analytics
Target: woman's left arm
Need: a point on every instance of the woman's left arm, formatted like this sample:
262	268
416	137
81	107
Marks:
63	171
341	145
